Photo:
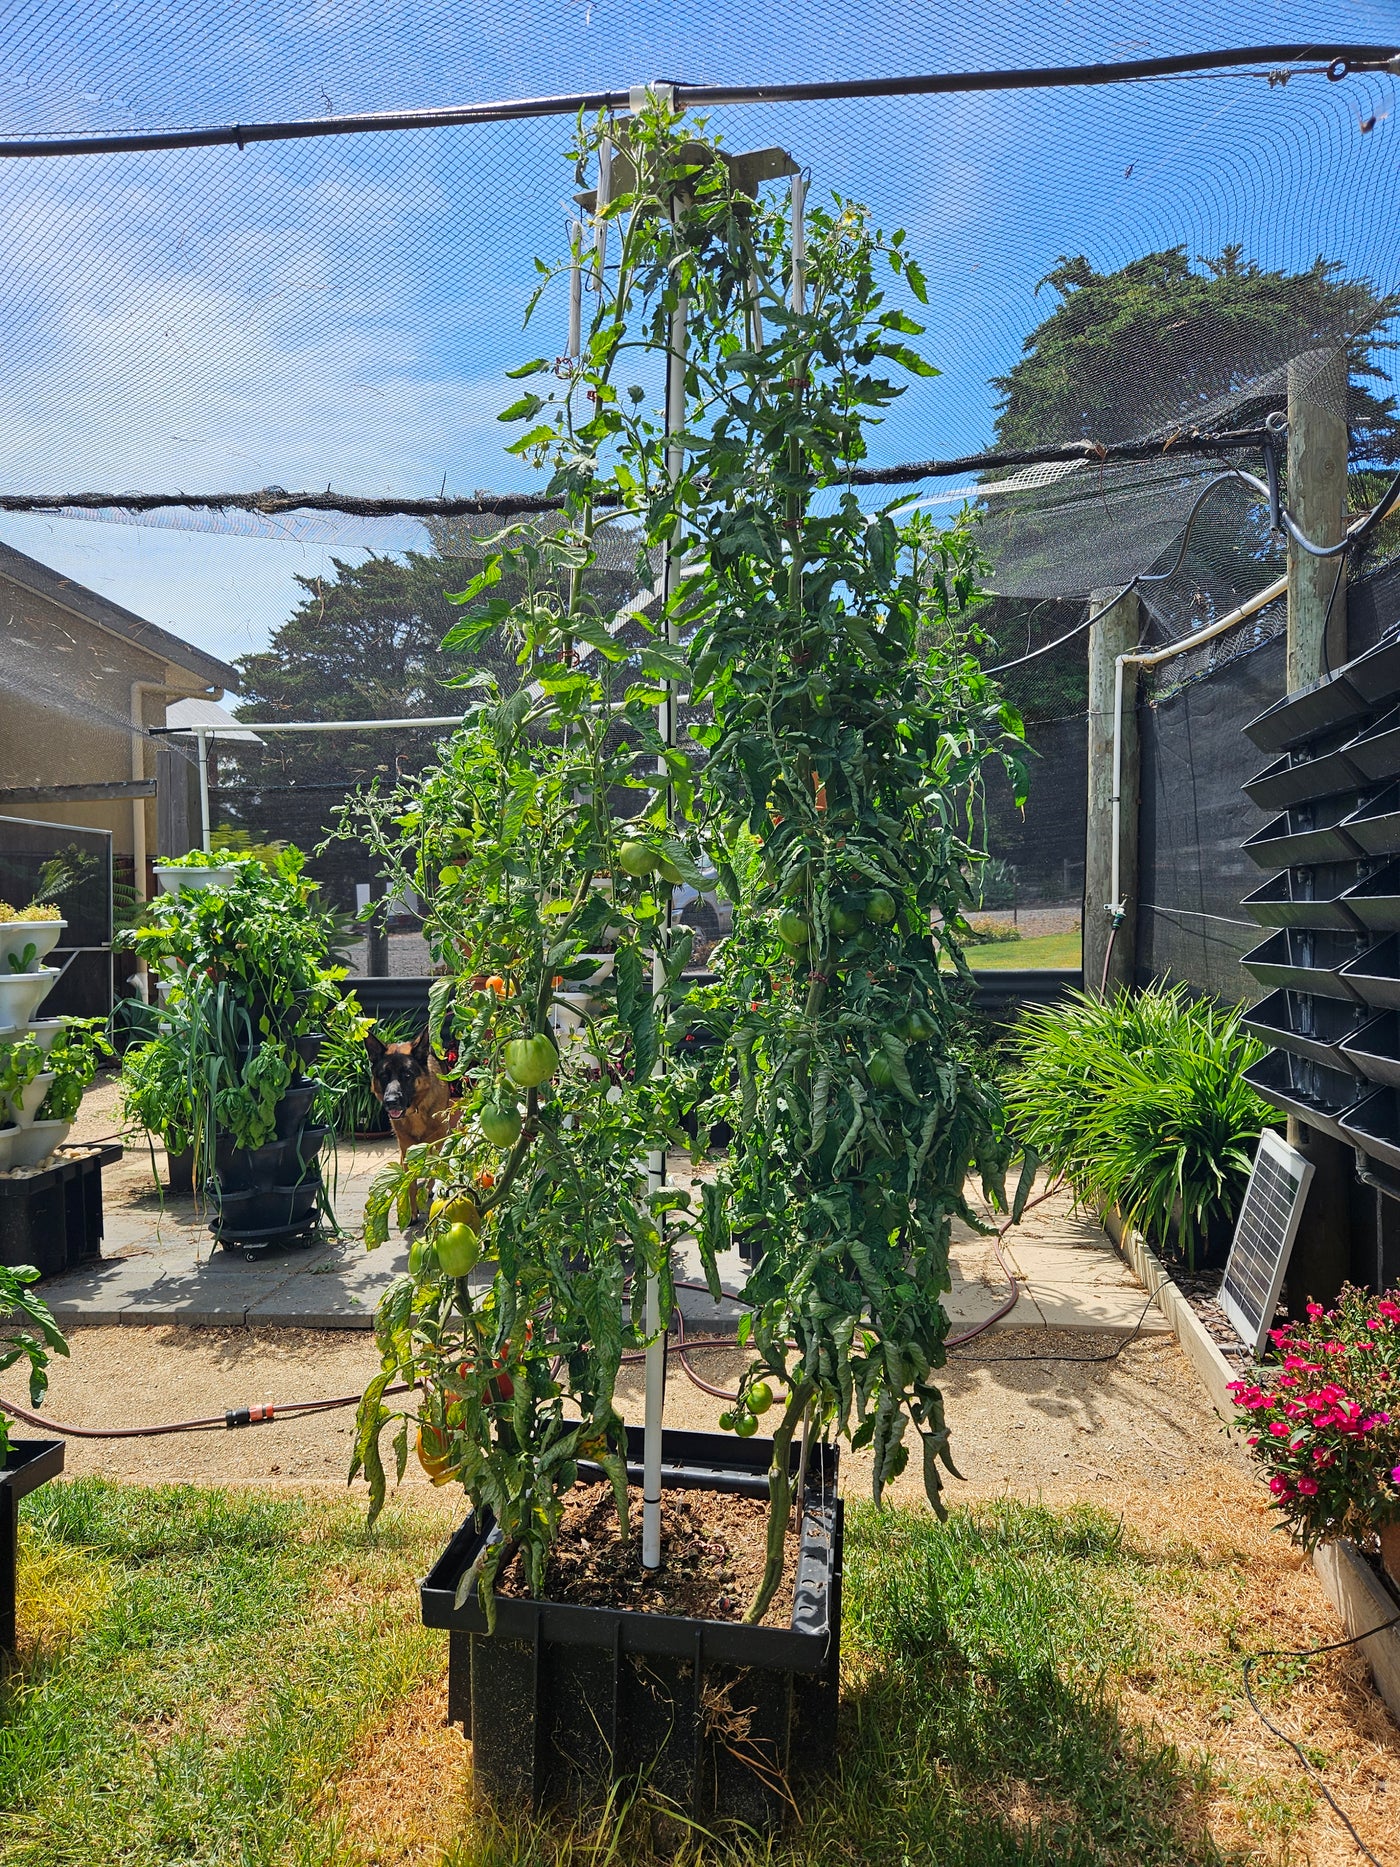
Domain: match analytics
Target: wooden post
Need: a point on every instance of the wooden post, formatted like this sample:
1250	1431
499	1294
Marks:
1316	496
1315	493
1114	634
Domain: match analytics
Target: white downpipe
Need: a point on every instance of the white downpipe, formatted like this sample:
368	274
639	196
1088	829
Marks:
1151	659
206	838
656	1163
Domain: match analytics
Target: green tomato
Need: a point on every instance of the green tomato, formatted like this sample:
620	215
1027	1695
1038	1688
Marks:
880	908
746	1426
794	930
727	1420
669	872
531	1060
760	1397
879	1070
500	1123
422	1259
916	1027
458	1250
847	916
638	859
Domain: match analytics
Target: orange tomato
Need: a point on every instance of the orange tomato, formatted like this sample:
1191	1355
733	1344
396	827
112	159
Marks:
496	984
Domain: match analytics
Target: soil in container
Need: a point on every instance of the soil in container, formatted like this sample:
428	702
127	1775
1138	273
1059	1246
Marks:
712	1557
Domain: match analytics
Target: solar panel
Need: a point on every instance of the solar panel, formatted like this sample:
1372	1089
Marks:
1264	1234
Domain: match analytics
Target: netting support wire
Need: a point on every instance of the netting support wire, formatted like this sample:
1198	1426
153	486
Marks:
1335	61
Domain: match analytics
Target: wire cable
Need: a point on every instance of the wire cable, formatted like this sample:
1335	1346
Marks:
1304	1653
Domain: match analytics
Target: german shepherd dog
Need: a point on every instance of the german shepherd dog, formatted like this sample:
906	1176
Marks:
420	1102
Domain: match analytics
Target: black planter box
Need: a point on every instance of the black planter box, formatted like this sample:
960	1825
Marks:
1376	751
1295	777
1374	826
1298	959
1302	716
1306	833
308	1047
266	1212
561	1700
1374	1127
1308	898
1376	674
28	1464
1315	1094
1375	902
53	1220
294	1108
1374	1050
1308	1026
1374	976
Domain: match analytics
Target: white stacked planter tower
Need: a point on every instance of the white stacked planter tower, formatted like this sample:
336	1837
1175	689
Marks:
25	982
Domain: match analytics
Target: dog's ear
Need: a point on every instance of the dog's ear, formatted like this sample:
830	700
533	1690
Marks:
375	1046
420	1050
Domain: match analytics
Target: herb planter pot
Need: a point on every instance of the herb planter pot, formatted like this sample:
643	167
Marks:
22	993
1297	959
1306	898
173	878
264	1213
294	1107
1322	1098
561	1700
28	1464
37	1142
16	937
24	1104
1308	1026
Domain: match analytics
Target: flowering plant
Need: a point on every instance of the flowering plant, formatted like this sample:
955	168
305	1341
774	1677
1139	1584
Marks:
1326	1423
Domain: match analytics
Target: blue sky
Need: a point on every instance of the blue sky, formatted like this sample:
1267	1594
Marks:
341	312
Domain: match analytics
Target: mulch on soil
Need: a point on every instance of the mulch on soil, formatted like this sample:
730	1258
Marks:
712	1556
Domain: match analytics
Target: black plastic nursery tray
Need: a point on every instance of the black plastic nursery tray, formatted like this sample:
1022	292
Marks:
1318	1096
1303	959
1374	1126
1374	975
560	1699
1307	1026
1309	898
1374	1050
1302	716
1306	833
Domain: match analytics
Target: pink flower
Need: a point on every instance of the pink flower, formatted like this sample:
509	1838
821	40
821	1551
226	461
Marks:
1280	1429
1307	1487
1280	1487
1315	1310
1374	1322
1396	1474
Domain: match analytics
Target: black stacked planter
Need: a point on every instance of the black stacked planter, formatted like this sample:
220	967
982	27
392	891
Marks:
1333	964
272	1194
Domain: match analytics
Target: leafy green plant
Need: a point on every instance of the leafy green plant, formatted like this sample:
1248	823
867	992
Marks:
20	1062
1139	1100
850	724
74	1058
28	1333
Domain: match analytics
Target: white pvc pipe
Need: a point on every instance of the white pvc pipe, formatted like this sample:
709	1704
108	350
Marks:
1151	659
261	727
201	734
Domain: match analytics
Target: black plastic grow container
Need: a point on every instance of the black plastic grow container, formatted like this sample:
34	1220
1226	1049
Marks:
1376	751
1307	1026
294	1107
1312	710
1315	1094
1296	776
308	1047
53	1219
1307	898
1376	674
1302	959
1374	1050
1374	826
560	1700
1307	833
28	1464
265	1211
1375	902
1374	1127
1374	975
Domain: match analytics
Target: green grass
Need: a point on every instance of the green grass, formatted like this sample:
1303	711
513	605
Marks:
1052	951
207	1663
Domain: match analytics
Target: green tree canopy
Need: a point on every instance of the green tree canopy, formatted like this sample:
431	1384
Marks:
1124	352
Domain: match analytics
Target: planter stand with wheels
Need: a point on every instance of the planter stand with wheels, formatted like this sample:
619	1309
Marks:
28	1464
714	1716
